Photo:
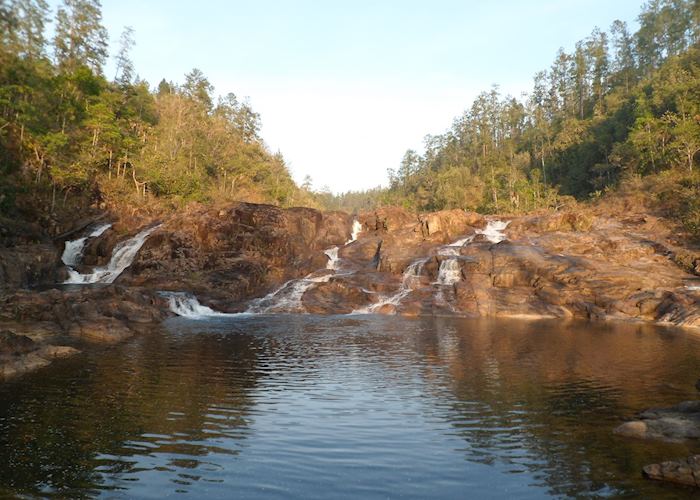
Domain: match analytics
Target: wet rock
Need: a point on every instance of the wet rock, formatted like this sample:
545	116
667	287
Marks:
15	345
685	471
238	251
676	423
19	354
29	265
106	313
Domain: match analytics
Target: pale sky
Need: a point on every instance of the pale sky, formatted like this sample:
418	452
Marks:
344	88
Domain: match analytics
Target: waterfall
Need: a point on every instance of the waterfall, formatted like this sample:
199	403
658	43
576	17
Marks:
494	231
356	229
450	271
333	259
288	297
412	272
186	305
122	257
73	251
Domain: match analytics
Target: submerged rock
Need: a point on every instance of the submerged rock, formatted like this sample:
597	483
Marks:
685	471
676	423
19	354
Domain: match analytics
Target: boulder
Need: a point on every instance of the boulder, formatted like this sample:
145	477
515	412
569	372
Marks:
685	471
674	424
19	354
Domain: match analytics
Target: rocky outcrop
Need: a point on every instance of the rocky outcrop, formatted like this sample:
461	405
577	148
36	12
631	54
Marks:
27	255
566	264
104	314
676	423
229	254
19	354
550	265
685	471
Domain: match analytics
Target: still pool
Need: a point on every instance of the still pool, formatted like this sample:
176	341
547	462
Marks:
301	406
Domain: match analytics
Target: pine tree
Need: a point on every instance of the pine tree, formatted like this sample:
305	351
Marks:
80	38
124	72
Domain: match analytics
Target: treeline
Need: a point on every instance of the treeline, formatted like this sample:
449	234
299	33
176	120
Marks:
620	106
67	131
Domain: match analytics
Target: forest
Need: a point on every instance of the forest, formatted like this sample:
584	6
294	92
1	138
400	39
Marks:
619	113
69	134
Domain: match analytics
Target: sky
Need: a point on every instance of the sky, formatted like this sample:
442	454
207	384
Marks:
345	88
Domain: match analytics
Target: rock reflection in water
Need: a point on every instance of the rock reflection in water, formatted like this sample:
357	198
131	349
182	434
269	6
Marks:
309	406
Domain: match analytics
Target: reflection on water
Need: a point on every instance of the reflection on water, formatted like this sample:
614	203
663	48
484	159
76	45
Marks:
318	407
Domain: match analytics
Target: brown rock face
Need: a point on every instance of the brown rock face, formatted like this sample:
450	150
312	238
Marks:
15	345
556	265
107	314
29	265
229	254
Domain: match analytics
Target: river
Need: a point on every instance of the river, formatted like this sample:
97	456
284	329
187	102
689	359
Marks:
364	406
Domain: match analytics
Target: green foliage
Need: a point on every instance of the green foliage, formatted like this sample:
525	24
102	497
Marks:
593	118
68	131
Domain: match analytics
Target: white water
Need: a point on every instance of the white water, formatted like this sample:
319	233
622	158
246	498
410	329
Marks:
122	257
288	297
450	271
410	276
332	253
186	305
73	251
356	230
333	258
693	288
494	231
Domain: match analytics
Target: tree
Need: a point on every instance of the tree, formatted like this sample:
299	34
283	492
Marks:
307	183
80	37
624	62
124	71
198	88
31	19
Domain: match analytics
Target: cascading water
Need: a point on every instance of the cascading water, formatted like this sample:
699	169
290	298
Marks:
73	251
186	305
332	253
333	258
449	273
494	231
122	257
356	230
410	276
288	297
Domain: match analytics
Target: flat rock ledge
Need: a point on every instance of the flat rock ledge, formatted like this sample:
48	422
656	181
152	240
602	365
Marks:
685	471
674	424
19	354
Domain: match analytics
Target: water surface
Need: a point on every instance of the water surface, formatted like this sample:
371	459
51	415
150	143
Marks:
346	407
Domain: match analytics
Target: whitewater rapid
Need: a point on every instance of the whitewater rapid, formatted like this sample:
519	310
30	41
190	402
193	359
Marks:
449	273
73	250
122	257
284	299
